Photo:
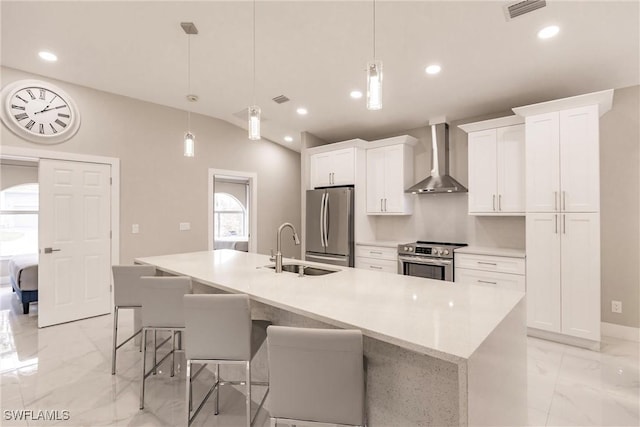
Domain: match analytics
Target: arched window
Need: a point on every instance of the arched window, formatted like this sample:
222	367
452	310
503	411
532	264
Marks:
19	220
230	216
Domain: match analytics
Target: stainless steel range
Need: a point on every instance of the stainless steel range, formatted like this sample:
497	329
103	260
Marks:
432	260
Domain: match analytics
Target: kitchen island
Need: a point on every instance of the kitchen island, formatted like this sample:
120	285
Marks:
437	353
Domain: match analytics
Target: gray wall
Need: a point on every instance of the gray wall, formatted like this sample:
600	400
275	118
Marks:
620	207
444	216
159	186
15	174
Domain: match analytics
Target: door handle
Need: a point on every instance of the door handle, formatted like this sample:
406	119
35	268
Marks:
385	205
555	200
49	250
556	223
494	202
564	200
381	210
564	224
499	202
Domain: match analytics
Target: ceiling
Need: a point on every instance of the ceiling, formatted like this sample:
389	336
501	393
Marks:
315	52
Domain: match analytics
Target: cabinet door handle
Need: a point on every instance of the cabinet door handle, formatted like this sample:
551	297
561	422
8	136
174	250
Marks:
499	202
486	281
51	250
487	263
564	224
381	210
494	202
385	205
375	267
556	223
375	253
564	200
555	200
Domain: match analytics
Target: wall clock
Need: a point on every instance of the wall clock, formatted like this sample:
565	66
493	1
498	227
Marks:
39	111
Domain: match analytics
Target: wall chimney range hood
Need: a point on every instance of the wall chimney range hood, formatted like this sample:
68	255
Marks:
439	181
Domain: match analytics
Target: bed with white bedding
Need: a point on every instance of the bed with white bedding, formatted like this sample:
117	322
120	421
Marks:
23	270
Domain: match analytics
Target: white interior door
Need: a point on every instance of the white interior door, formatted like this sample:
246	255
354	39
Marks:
74	275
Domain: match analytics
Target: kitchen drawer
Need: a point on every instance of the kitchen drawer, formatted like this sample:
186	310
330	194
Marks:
486	278
388	266
491	263
378	252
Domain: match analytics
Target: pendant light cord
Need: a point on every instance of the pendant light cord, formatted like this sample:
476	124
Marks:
374	30
254	52
188	81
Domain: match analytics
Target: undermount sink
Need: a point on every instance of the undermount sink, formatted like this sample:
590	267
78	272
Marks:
308	270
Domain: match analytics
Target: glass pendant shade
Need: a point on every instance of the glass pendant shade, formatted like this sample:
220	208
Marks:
189	144
254	123
374	85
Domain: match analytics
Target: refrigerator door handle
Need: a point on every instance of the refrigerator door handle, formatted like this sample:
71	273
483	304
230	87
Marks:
322	220
326	221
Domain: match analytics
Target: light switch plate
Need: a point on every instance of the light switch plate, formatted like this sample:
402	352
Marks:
135	228
184	226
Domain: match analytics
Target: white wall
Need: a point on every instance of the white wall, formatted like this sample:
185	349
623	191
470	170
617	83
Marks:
159	186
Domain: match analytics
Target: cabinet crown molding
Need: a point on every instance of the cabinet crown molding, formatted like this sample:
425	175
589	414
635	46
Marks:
395	140
604	100
492	124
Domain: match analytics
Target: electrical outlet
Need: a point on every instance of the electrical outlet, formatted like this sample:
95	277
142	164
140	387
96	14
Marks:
135	228
184	226
616	306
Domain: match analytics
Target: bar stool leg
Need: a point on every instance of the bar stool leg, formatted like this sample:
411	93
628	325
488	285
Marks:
155	351
248	394
217	378
188	387
144	367
173	352
115	340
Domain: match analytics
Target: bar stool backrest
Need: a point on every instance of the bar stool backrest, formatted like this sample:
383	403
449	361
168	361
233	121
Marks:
316	375
162	301
126	283
218	327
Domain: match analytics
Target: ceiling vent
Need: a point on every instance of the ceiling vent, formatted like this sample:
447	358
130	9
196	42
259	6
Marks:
522	7
280	99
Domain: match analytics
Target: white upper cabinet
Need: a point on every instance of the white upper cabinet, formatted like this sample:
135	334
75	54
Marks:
562	153
389	173
496	167
333	168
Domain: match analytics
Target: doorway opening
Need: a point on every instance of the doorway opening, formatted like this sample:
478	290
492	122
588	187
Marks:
232	210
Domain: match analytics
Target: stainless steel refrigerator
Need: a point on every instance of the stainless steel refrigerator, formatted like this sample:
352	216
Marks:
329	230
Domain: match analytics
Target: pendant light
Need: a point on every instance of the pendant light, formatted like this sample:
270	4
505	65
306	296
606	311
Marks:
189	138
374	74
254	110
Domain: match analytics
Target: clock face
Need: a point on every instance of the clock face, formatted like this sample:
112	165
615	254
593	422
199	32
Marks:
39	111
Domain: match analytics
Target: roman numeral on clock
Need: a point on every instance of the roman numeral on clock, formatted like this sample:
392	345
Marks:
31	94
61	123
30	124
66	116
17	107
41	130
21	116
53	129
22	99
43	94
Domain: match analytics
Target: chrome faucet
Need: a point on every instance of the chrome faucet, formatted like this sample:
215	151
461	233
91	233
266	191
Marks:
296	239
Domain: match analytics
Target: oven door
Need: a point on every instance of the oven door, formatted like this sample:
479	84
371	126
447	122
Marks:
429	268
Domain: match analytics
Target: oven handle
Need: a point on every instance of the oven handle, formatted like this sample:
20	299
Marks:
420	260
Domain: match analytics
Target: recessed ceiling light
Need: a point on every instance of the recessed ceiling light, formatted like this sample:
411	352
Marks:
356	94
433	69
302	111
288	138
548	32
47	56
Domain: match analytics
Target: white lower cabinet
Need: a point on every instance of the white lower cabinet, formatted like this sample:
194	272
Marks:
489	270
377	258
563	273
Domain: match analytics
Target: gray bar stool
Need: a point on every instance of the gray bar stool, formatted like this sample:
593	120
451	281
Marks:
162	310
126	294
219	330
316	376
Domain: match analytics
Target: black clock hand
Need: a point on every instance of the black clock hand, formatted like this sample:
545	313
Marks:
50	109
47	107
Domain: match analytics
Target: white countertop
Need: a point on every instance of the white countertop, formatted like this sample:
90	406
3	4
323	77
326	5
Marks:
441	319
381	243
482	250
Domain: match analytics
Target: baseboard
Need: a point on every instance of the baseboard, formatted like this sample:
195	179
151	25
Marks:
564	339
620	331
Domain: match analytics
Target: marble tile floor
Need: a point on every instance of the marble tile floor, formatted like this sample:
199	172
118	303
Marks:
67	367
